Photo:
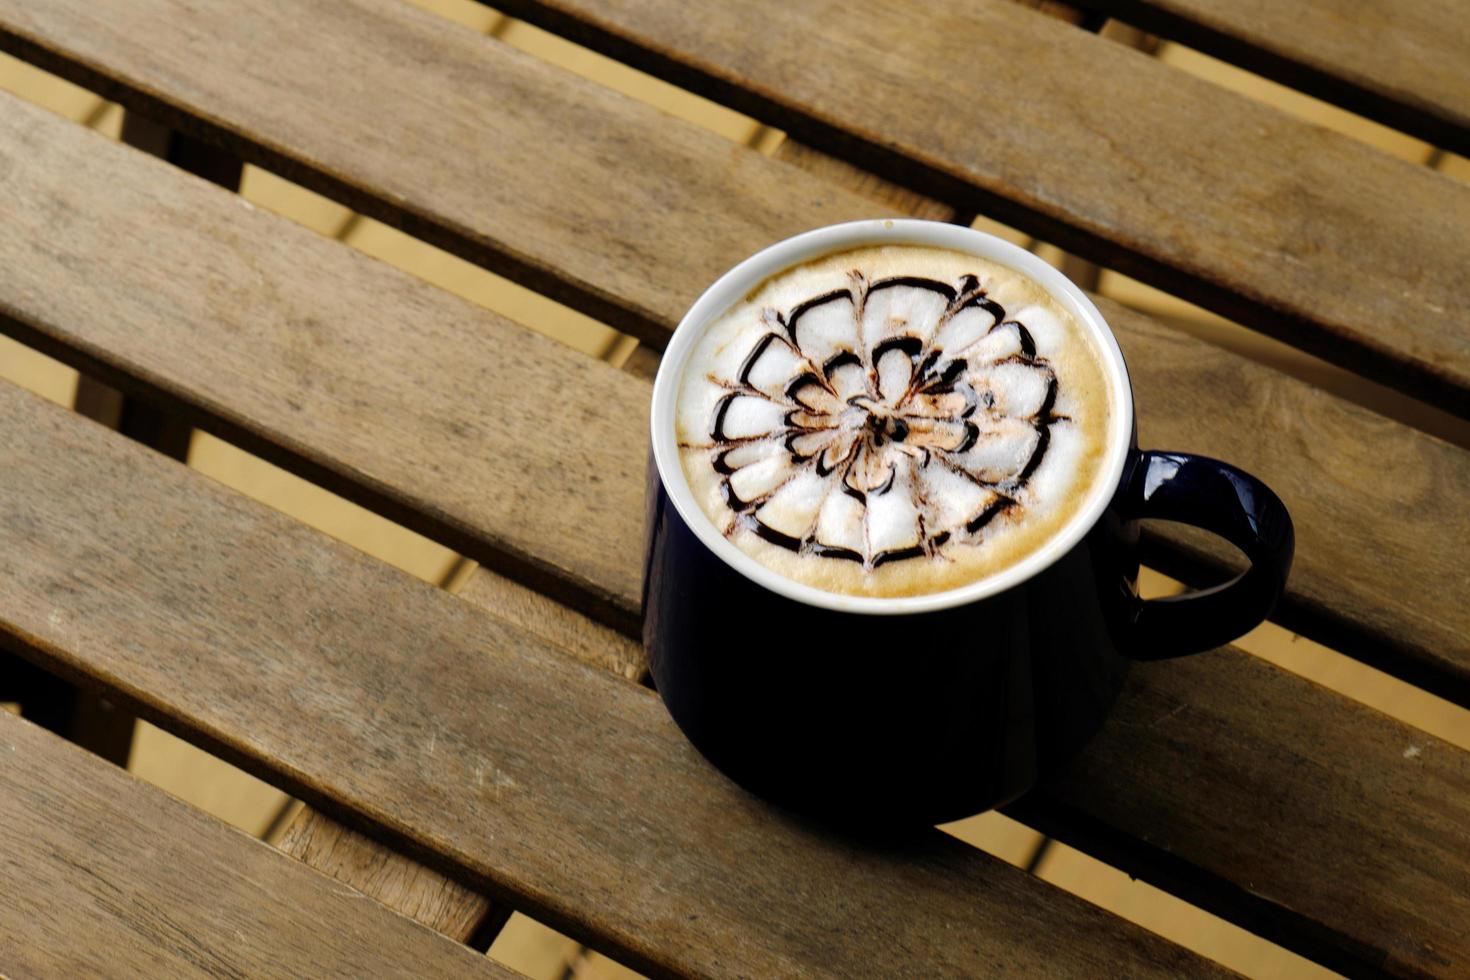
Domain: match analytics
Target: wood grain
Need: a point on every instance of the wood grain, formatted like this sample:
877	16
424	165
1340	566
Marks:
375	384
106	876
203	214
1303	443
1168	735
521	167
353	377
550	785
402	884
1302	233
556	624
89	720
316	840
1344	833
869	185
1382	526
405	885
1405	63
1308	235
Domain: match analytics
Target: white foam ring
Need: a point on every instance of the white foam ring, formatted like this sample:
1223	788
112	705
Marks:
887	421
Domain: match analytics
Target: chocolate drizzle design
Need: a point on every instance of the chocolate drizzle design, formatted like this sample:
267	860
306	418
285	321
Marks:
882	422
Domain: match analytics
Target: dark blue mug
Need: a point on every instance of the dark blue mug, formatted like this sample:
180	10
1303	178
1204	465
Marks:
923	709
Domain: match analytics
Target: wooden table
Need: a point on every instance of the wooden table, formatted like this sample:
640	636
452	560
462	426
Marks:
492	750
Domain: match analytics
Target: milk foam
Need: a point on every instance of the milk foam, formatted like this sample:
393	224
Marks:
893	420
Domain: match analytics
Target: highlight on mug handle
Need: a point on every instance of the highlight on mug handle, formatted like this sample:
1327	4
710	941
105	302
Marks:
1223	500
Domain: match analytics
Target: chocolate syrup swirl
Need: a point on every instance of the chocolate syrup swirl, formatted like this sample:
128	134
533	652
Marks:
883	422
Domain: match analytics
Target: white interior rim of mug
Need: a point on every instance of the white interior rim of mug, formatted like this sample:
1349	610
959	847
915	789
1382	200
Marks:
734	285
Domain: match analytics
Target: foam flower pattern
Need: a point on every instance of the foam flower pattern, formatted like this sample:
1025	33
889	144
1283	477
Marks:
883	421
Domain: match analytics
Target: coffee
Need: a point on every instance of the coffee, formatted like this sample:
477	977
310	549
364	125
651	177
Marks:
894	420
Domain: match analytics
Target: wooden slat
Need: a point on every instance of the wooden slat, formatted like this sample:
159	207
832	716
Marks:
561	627
455	137
1209	753
1305	234
364	379
390	312
104	876
423	894
404	885
1343	834
213	209
874	188
546	782
1378	572
1403	62
361	387
85	718
1317	239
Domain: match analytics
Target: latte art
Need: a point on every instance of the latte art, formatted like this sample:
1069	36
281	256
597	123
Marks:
884	436
879	452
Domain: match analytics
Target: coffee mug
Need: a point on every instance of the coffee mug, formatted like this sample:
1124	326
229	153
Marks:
926	708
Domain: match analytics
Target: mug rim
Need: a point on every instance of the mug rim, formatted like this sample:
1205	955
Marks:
747	275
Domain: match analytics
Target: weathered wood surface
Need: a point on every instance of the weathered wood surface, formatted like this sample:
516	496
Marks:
354	376
549	784
1403	62
1309	235
455	137
452	732
85	717
1210	753
402	884
405	885
556	624
1303	233
891	196
1407	952
275	237
1343	834
1380	509
381	387
104	876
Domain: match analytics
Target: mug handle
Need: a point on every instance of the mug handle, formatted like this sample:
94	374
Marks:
1223	500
